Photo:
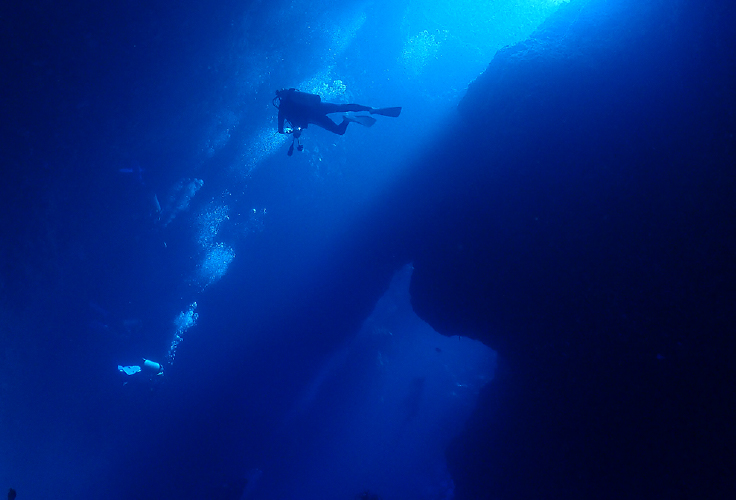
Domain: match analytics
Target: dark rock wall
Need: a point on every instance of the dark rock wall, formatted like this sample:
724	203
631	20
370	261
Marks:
580	220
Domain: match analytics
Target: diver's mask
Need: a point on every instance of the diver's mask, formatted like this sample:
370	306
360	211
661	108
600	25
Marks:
281	94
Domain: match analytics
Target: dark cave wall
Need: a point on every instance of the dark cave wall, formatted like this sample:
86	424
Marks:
581	223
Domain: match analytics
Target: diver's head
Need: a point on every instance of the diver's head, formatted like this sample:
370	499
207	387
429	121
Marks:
284	93
280	95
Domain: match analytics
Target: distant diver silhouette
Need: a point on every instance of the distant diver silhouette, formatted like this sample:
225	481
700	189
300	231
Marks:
11	494
136	170
300	109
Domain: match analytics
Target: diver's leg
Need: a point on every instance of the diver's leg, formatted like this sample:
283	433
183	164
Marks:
326	123
328	107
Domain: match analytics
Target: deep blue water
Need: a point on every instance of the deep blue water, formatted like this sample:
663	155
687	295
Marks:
150	211
120	109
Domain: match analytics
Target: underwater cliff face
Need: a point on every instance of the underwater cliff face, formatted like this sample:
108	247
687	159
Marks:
593	248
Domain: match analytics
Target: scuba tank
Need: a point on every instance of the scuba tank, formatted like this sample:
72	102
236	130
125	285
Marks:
296	98
304	99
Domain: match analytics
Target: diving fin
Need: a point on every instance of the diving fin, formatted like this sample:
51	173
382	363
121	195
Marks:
366	121
392	112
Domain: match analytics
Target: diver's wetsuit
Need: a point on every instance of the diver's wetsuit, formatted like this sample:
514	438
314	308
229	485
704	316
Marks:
300	109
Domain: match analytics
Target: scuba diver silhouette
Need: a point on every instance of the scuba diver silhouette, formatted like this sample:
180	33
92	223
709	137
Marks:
300	109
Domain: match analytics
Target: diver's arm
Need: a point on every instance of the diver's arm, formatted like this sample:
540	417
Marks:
281	122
